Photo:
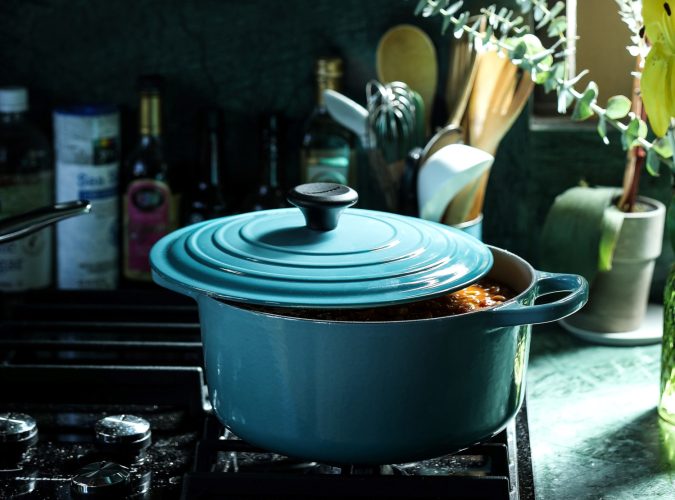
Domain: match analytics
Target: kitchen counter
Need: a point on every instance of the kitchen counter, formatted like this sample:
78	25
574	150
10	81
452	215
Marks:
594	429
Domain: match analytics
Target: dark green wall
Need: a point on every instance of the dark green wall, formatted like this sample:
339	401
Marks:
254	56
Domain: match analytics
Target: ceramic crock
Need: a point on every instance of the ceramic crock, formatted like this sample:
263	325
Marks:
356	392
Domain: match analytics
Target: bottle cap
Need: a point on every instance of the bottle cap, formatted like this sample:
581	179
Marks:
150	83
329	67
13	99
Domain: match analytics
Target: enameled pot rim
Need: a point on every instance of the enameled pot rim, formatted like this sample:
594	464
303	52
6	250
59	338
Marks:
471	314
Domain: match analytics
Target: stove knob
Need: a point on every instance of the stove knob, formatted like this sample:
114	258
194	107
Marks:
101	479
123	433
18	432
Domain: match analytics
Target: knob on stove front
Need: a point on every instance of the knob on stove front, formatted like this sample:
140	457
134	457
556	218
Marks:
101	479
18	432
125	433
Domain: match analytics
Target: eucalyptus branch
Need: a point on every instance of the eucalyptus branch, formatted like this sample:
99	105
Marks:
548	65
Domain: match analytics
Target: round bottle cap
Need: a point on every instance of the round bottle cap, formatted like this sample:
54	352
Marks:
13	99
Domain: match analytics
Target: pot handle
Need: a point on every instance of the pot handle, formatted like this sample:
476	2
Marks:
516	313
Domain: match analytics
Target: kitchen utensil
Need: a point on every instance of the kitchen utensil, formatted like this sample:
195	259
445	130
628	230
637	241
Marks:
405	53
349	114
497	99
393	125
445	173
392	117
18	226
407	201
450	134
355	392
461	75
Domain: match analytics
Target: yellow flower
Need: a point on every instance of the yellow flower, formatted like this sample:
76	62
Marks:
657	82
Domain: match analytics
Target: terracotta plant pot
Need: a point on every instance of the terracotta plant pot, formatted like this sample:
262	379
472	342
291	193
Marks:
618	298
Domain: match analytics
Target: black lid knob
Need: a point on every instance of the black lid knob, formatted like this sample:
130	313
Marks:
322	203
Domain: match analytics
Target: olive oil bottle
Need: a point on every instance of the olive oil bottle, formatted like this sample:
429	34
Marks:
328	149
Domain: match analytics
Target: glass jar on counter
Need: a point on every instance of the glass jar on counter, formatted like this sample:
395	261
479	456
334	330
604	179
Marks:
26	183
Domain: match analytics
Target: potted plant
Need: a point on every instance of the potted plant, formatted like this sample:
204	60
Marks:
621	230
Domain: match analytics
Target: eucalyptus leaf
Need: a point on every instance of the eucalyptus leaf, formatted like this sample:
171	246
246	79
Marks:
662	146
557	26
618	107
538	13
447	20
565	99
652	162
420	7
583	108
453	8
602	129
557	8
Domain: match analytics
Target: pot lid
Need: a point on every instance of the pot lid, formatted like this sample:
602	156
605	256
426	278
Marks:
305	258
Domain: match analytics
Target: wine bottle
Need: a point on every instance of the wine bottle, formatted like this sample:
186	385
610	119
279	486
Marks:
205	199
328	149
150	206
26	183
268	192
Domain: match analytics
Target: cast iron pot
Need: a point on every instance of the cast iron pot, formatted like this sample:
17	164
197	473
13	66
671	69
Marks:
370	392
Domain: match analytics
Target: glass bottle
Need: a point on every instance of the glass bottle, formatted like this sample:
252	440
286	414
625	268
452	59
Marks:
268	193
149	205
205	199
667	400
26	183
328	149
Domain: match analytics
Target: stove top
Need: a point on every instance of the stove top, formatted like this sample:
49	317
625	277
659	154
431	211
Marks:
104	397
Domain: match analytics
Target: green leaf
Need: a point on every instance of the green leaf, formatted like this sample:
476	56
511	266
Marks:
618	107
453	8
446	23
583	110
519	51
652	163
420	7
557	8
610	228
602	129
570	237
557	26
565	99
636	130
662	147
538	13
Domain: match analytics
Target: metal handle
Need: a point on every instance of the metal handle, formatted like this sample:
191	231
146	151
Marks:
520	314
18	226
322	203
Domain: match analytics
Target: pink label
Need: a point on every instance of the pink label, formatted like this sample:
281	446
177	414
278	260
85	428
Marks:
149	218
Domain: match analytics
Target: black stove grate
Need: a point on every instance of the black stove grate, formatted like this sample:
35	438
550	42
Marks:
98	353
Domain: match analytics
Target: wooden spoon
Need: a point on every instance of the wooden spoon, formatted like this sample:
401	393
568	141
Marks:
496	101
405	53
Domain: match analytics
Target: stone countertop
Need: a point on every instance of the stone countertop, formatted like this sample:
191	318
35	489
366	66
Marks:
594	429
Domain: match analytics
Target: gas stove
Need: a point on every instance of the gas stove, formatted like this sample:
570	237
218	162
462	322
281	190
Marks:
103	396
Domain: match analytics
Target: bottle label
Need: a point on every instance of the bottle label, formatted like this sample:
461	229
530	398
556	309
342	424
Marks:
87	246
26	263
326	165
149	215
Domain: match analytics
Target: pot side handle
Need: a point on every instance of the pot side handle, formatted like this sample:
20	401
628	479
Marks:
516	313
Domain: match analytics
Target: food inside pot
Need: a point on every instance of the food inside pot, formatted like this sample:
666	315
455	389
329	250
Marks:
480	295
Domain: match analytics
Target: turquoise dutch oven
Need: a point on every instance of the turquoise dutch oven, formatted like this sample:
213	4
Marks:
355	392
